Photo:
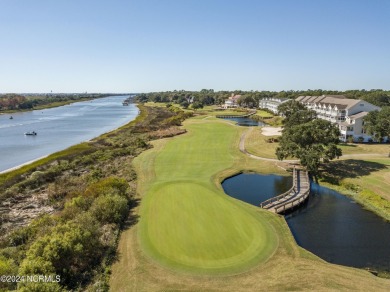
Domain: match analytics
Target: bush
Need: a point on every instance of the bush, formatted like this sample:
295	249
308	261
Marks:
110	209
111	185
69	251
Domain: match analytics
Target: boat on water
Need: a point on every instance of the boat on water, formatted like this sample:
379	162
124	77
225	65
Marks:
31	133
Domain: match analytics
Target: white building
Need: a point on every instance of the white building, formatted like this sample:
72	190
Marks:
347	113
231	102
272	103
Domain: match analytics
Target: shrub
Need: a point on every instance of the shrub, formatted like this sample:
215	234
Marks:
111	185
69	251
110	209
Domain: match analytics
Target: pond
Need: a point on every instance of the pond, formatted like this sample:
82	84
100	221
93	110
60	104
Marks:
246	122
330	225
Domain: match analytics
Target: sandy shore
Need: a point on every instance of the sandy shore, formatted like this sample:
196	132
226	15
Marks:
21	165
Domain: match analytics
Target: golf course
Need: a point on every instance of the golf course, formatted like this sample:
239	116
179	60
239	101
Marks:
191	236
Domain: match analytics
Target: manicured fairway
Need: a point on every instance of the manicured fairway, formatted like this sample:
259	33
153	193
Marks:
189	224
193	237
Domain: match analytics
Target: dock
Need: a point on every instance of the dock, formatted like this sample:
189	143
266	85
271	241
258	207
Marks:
295	196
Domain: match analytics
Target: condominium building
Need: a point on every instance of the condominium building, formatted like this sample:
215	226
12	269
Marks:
347	113
272	103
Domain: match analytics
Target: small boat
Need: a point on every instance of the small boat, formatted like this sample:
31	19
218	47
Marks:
11	117
33	133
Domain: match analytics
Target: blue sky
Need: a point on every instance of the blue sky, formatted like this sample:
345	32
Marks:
145	45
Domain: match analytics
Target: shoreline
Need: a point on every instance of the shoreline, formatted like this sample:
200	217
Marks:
24	164
84	141
49	105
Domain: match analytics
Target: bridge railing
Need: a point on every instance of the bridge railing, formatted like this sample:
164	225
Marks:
285	194
297	201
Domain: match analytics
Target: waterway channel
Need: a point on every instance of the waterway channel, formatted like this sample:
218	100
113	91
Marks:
58	128
330	225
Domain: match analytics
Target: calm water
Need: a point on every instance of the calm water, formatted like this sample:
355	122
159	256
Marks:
330	225
255	188
59	128
246	122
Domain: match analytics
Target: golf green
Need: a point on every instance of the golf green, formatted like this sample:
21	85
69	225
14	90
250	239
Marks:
189	224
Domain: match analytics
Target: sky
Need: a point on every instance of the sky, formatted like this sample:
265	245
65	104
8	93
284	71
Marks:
160	45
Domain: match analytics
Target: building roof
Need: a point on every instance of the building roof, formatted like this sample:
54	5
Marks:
234	97
339	100
358	115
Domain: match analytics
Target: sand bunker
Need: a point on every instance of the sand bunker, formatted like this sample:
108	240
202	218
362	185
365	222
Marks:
271	131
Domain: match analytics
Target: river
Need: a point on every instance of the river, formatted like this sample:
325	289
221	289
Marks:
58	128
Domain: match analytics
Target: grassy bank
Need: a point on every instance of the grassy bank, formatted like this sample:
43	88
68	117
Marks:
366	180
193	237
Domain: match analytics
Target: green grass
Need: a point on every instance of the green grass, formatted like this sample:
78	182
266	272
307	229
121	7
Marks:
256	144
183	239
365	148
187	223
264	114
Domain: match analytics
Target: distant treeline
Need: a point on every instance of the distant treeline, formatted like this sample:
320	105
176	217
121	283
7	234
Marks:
21	102
210	97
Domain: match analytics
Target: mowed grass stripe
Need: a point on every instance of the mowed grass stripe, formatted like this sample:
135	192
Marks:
187	223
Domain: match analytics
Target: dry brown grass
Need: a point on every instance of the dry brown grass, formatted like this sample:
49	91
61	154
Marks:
256	144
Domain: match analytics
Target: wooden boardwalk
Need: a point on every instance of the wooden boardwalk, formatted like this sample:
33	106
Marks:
293	197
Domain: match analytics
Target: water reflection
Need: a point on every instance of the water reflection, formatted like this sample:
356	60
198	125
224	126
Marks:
254	188
246	122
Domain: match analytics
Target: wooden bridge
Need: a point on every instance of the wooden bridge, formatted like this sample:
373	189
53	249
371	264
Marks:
293	197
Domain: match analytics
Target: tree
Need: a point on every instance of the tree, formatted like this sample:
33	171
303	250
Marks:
197	105
247	101
287	108
312	143
299	117
377	124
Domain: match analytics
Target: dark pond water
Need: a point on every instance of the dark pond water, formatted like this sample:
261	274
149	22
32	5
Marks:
329	225
246	122
255	188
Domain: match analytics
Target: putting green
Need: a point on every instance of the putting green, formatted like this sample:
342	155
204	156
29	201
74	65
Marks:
186	222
